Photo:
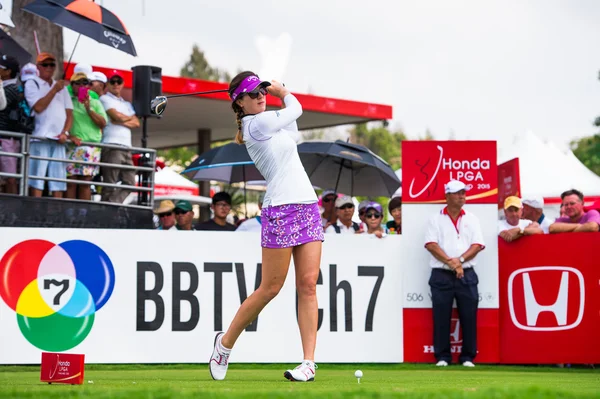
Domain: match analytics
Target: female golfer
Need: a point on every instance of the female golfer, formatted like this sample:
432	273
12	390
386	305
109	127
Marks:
291	222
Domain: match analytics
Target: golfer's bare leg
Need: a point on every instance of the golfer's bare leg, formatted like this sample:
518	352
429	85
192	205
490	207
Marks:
307	261
275	265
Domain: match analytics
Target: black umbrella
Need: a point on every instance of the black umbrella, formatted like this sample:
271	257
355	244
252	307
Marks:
86	18
8	46
349	168
229	163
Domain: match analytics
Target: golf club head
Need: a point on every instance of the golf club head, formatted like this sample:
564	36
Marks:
158	105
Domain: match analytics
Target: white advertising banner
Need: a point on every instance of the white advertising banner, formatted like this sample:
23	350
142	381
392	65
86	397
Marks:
415	259
138	296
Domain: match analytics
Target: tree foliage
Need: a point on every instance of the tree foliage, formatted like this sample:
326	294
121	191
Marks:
198	67
380	140
587	150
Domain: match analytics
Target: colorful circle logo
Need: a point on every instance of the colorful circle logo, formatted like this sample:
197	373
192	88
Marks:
56	290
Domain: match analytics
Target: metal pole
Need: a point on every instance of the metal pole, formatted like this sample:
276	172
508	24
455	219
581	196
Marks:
25	165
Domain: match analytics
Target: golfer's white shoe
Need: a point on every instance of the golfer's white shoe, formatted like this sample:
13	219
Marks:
219	360
468	364
303	373
442	363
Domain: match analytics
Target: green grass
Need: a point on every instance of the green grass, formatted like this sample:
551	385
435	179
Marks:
333	381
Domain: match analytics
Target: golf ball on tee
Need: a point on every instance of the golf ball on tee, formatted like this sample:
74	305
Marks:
358	374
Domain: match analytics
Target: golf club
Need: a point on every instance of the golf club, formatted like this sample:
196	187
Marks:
159	104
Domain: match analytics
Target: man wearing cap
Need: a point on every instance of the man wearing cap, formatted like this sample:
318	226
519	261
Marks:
454	238
576	219
165	215
221	205
513	227
98	83
184	214
53	109
328	217
253	224
533	209
345	210
9	69
122	119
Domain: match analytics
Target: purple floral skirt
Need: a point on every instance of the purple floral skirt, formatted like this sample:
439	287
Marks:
290	225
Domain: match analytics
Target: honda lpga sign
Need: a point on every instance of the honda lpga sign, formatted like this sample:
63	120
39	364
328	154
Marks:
428	165
550	299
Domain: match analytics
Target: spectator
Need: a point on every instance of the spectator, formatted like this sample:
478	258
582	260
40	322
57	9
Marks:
165	215
576	219
533	209
221	205
89	118
53	118
86	69
344	224
373	218
121	119
9	68
514	227
98	83
394	226
252	224
454	238
362	206
328	217
184	213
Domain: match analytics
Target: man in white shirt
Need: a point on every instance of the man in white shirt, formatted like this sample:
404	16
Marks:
122	119
53	108
533	209
345	210
513	227
454	238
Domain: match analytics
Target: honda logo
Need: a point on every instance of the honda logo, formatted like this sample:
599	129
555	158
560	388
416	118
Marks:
559	307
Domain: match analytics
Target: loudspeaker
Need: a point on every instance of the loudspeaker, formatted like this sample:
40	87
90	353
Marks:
147	84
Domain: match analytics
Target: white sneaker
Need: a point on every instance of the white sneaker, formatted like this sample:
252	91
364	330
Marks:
303	373
468	363
217	365
441	363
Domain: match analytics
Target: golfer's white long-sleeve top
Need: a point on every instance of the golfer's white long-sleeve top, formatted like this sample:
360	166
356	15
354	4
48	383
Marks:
270	140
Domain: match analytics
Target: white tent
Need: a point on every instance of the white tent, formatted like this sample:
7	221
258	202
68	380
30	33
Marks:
547	171
167	182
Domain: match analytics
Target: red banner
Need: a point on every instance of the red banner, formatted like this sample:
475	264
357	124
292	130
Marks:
509	181
428	165
550	299
418	336
64	368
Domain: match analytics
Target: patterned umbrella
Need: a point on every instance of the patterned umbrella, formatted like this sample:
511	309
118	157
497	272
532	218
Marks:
86	18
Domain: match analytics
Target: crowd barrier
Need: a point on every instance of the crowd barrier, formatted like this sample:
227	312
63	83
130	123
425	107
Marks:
159	297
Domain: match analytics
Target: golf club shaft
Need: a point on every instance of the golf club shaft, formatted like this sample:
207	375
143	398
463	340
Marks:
197	92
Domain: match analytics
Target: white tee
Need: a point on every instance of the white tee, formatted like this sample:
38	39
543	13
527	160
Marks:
269	138
343	228
116	134
250	225
504	225
453	239
51	121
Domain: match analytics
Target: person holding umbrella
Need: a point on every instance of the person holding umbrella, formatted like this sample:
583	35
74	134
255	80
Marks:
290	218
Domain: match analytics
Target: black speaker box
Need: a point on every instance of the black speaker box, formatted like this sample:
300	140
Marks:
147	84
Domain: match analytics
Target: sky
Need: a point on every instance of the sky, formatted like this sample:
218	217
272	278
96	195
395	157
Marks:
464	69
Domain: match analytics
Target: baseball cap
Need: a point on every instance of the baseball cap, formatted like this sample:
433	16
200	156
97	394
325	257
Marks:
374	205
327	192
363	204
28	71
165	206
454	186
44	57
78	76
513	201
84	68
183	205
9	62
247	85
343	200
115	72
534	202
99	76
